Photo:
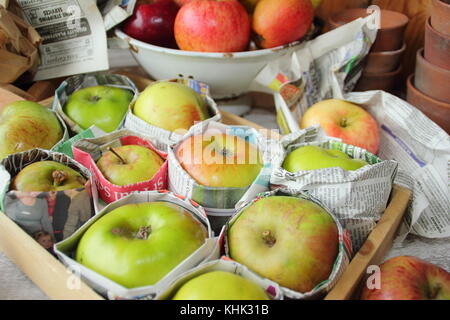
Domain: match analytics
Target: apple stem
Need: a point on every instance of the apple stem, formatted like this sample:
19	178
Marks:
59	177
343	122
268	238
143	232
117	155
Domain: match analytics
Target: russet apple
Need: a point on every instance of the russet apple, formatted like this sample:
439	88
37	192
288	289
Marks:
288	240
279	22
171	106
220	160
129	164
410	278
138	244
152	22
47	176
25	125
220	285
314	157
344	120
212	26
102	106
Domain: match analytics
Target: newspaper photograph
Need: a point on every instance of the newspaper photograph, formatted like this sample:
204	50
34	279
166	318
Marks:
73	37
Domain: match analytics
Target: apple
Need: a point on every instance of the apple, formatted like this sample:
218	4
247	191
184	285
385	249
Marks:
171	106
316	3
138	244
152	22
182	2
45	176
220	285
129	164
102	106
288	240
314	157
344	120
220	160
212	26
279	22
410	278
25	125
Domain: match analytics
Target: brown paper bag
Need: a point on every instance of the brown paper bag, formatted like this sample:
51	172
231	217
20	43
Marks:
19	44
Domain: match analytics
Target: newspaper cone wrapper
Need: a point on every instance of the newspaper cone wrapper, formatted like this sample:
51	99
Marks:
74	83
322	68
221	201
19	43
112	290
345	251
89	151
357	198
30	210
135	123
422	150
271	288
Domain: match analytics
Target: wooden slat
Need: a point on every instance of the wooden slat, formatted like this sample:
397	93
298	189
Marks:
375	247
40	266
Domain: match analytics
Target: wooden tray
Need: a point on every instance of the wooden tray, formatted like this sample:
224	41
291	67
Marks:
56	281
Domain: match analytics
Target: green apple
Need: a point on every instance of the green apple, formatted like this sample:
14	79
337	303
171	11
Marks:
171	106
220	285
314	157
102	106
25	125
220	160
129	164
138	244
47	176
288	240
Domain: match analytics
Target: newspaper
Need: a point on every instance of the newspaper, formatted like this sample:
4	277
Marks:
345	250
65	250
422	150
115	11
59	213
271	288
357	198
73	33
322	68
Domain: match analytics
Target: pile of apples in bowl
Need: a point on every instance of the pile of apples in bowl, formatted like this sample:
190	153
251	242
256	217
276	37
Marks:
223	43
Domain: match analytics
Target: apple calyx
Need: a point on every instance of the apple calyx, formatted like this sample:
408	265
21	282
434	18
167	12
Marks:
434	291
144	232
59	177
343	123
268	238
117	155
94	99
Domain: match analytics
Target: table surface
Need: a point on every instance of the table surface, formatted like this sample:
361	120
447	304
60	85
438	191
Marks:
15	285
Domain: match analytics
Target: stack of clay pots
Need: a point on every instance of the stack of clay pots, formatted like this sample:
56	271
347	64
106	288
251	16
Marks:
382	67
429	87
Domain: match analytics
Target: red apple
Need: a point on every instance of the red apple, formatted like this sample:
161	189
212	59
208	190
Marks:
410	278
182	2
212	26
344	120
279	22
152	22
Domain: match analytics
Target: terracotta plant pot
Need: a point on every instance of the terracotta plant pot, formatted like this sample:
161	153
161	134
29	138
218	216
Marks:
391	35
436	110
437	47
379	81
440	16
432	80
383	62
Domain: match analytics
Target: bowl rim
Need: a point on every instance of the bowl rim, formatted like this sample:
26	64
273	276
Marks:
212	55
